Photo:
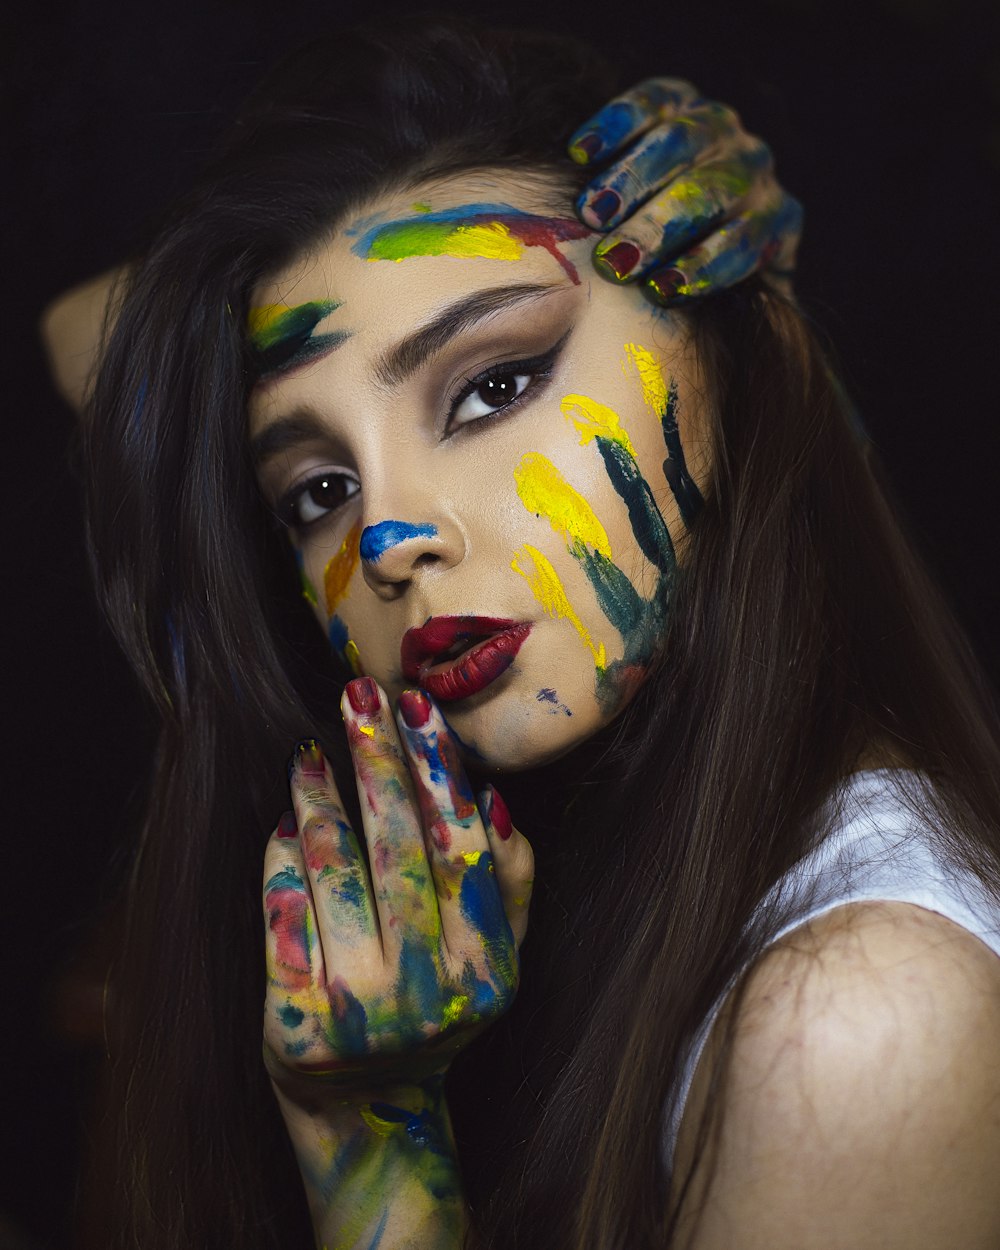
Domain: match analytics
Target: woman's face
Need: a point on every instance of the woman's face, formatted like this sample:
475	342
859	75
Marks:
487	459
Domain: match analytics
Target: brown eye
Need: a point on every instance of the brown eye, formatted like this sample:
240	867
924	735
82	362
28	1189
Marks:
490	395
317	498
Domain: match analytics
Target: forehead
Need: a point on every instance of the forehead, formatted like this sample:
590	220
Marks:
440	238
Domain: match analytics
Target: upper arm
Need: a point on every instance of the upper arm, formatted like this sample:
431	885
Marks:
71	328
861	1106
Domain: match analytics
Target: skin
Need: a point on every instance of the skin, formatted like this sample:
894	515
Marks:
556	510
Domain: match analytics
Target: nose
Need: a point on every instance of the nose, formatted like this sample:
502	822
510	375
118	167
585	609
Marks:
393	551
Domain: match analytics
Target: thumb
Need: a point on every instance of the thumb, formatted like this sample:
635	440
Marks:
513	860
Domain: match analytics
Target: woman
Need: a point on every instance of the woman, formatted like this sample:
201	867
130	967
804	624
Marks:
641	564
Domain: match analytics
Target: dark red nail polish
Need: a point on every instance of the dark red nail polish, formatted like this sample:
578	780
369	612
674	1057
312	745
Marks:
621	259
500	817
308	758
362	694
586	147
666	284
287	828
415	708
605	205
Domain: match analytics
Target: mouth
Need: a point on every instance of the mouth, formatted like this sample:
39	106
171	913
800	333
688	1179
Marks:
453	657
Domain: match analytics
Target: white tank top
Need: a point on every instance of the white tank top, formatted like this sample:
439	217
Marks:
879	849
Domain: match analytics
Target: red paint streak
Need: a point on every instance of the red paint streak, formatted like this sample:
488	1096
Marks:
547	232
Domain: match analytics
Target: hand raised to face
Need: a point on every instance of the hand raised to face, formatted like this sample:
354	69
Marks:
691	201
382	965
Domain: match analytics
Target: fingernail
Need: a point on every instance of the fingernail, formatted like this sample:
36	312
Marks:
585	147
621	258
668	284
415	708
308	758
287	828
499	817
604	205
362	694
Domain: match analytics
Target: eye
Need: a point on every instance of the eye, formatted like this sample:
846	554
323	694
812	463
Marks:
490	395
502	386
315	498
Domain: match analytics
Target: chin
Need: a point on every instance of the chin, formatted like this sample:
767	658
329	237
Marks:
505	735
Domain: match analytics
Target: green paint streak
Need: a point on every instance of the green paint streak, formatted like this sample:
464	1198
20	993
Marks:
288	340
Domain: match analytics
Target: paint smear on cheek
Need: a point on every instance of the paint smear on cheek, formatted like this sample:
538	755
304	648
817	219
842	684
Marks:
545	585
550	699
594	420
544	491
340	568
486	231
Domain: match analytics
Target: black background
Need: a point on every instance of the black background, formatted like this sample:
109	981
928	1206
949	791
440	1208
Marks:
885	118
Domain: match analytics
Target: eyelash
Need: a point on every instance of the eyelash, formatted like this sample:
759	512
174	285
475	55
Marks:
538	370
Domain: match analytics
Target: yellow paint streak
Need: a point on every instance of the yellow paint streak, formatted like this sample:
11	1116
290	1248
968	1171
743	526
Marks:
544	491
260	320
472	857
454	1009
353	656
340	568
492	242
376	1123
367	730
548	590
654	389
592	418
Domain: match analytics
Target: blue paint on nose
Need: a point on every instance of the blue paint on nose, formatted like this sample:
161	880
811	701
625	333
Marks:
377	539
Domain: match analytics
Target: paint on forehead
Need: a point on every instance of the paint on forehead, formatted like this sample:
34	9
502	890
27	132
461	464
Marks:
485	231
340	568
544	491
376	540
283	336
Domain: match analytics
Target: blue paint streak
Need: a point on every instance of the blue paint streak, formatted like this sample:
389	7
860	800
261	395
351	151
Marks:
285	879
377	1239
376	540
290	1016
337	633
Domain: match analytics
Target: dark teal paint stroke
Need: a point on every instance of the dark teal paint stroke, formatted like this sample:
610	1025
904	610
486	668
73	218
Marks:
285	879
619	600
689	498
648	526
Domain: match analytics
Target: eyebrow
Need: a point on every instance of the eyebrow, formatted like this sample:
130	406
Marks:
401	361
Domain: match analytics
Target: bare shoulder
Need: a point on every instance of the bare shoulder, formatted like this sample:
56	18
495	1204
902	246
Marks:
862	1099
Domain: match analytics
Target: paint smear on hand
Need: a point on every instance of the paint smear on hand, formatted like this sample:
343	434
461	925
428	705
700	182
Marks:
593	419
487	231
544	491
340	568
548	590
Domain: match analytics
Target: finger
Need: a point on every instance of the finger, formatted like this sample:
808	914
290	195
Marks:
654	160
513	861
474	924
293	954
628	115
401	877
756	239
687	209
336	872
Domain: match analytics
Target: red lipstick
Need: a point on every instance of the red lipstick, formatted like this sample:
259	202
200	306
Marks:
453	657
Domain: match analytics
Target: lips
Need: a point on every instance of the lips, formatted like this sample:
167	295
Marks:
453	657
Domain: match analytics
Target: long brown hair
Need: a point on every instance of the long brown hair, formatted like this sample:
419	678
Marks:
803	630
